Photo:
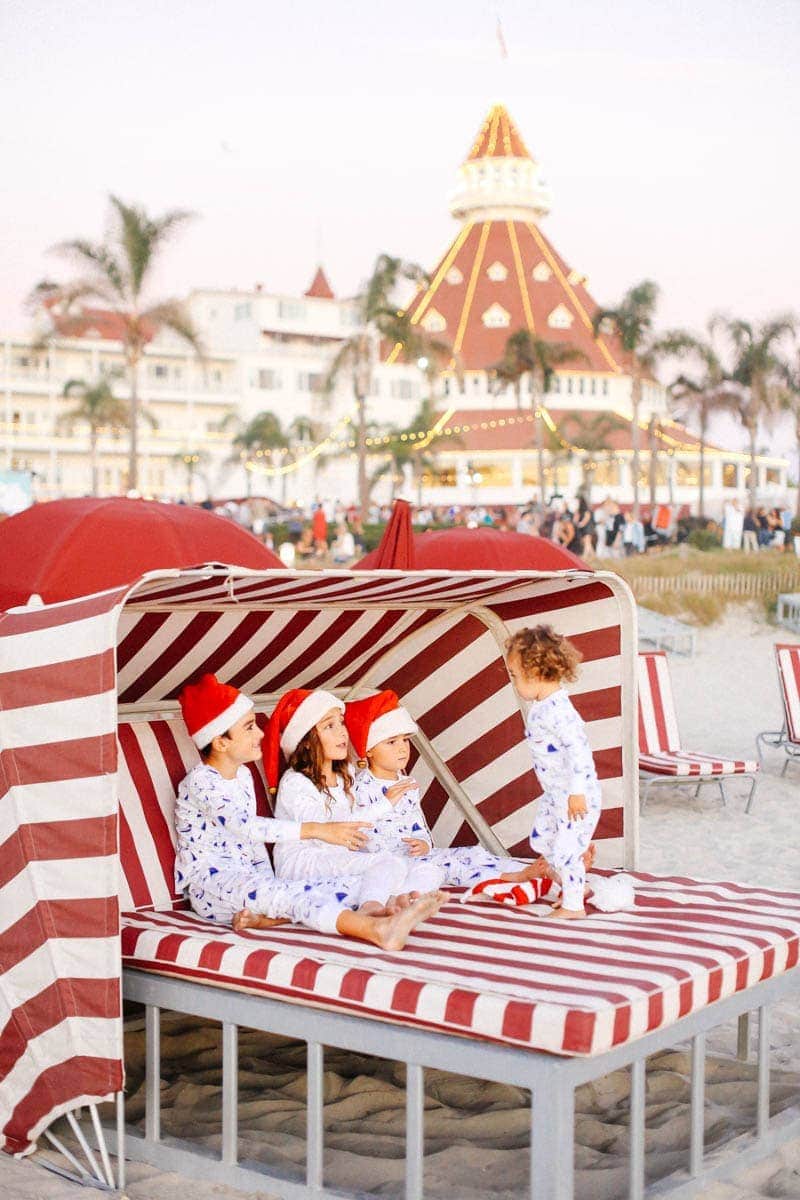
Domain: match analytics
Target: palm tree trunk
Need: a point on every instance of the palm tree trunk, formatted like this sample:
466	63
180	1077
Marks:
636	400
361	451
753	485
652	466
93	458
538	421
701	499
133	441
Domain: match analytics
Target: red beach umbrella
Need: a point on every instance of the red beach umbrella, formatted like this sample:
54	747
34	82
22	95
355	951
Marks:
462	549
396	549
69	548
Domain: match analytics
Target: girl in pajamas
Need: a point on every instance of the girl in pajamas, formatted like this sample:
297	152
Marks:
308	729
379	729
221	860
539	660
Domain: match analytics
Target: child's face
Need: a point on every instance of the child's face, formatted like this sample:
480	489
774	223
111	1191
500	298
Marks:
332	733
390	756
526	685
242	743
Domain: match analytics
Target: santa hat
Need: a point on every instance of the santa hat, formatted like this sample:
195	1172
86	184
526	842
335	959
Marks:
295	714
527	891
210	708
375	719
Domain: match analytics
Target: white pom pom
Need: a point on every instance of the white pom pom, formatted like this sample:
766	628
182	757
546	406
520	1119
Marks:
611	893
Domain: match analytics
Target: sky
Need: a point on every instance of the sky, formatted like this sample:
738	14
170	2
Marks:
333	130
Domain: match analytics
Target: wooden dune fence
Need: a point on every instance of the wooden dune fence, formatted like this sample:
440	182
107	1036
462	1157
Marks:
740	583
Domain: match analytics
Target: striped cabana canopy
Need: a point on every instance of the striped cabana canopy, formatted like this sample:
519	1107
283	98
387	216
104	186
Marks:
69	672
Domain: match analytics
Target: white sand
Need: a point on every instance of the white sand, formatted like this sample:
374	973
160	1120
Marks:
725	695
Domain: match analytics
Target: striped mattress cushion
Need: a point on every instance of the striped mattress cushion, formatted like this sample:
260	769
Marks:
504	974
689	764
788	658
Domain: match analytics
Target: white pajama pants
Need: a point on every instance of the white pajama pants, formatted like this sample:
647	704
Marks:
219	896
464	866
384	874
563	843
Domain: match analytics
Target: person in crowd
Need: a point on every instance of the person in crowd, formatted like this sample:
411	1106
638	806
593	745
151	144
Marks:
749	531
732	525
305	545
343	549
539	662
583	542
319	531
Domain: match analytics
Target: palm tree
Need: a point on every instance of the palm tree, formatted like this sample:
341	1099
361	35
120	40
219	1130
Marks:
404	447
260	436
789	401
698	396
757	375
378	319
192	461
593	436
526	354
98	408
632	320
116	273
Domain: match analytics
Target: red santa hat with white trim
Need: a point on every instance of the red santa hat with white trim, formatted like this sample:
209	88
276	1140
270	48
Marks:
376	718
210	708
295	715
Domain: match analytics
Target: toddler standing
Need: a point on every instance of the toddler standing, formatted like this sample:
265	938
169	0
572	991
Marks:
539	661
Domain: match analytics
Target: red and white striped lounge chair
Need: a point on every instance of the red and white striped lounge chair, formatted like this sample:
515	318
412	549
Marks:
662	759
787	657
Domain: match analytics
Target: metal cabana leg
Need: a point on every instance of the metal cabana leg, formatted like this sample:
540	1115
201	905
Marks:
415	1130
553	1139
315	1126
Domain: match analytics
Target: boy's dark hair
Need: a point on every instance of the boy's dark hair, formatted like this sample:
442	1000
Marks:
206	751
543	652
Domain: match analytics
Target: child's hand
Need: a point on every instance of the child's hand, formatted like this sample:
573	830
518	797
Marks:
350	834
399	789
416	847
576	806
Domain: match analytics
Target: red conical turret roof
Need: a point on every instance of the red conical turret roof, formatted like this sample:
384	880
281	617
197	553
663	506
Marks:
498	137
320	288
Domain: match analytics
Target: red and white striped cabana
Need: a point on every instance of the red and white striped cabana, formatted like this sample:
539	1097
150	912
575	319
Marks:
70	672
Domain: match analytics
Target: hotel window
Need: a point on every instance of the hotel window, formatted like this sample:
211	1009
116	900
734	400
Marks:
242	312
159	371
580	385
594	385
555	384
560	318
569	383
402	389
443	477
493	474
607	474
605	387
687	474
291	309
729	475
313	381
268	381
496	317
773	475
433	321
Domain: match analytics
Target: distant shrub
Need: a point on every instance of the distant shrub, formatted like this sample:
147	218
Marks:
707	538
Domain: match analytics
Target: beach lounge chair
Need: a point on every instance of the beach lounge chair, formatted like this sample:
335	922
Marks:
662	759
787	657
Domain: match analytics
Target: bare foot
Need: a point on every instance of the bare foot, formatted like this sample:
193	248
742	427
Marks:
245	919
589	856
394	931
534	870
567	914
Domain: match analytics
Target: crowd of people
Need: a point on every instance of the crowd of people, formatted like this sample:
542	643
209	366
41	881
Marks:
332	533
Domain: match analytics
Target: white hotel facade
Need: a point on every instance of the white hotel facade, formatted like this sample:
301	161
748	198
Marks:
269	352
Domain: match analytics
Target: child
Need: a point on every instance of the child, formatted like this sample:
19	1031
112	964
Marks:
221	861
379	729
539	660
308	729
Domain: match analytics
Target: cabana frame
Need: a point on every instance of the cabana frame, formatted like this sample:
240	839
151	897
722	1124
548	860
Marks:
202	619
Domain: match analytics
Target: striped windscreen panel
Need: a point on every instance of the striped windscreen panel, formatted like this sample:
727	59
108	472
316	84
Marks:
60	1004
788	658
658	722
436	639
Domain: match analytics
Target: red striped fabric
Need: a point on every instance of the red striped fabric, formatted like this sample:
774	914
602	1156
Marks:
660	751
788	660
502	973
60	1027
83	680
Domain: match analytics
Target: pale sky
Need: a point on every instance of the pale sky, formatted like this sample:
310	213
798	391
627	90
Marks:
668	132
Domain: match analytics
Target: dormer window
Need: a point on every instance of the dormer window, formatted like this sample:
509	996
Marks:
433	321
541	272
496	317
560	318
497	272
454	276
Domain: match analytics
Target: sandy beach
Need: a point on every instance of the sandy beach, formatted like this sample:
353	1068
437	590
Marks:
725	695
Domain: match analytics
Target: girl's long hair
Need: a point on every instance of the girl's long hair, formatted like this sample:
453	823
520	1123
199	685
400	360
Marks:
309	760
